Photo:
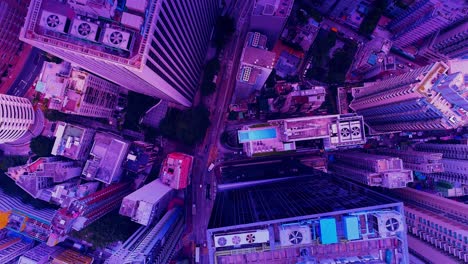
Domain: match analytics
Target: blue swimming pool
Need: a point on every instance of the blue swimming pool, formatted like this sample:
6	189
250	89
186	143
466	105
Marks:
258	134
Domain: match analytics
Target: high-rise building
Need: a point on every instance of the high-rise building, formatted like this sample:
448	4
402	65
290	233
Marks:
455	161
371	55
147	203
16	116
281	219
12	14
425	18
84	211
370	169
269	17
152	244
424	99
416	160
105	158
256	64
42	174
154	47
449	44
75	91
435	224
72	141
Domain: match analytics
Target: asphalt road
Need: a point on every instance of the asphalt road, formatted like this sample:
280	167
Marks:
29	73
218	106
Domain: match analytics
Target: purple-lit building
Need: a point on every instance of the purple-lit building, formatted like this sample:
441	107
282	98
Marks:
437	226
416	160
153	47
424	99
455	161
269	17
370	169
314	218
425	18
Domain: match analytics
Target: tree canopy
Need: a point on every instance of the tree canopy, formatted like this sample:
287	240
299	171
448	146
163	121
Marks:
41	146
186	126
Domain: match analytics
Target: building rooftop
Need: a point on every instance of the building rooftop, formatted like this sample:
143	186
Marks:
68	140
140	156
330	195
42	174
176	170
104	29
258	57
287	64
150	193
71	256
106	157
281	8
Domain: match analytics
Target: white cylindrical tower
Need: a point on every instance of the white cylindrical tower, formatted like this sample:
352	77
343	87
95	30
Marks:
16	116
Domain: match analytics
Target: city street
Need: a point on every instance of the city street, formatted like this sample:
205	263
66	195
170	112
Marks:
218	109
28	74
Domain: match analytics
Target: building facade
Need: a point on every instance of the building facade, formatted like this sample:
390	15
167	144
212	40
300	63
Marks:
154	47
12	15
282	220
152	244
38	177
425	18
424	99
439	222
455	161
416	160
370	169
84	211
147	203
448	44
74	91
16	116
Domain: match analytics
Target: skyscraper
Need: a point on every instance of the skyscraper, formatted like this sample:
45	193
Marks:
152	244
16	116
12	13
448	44
154	47
424	99
424	18
370	169
315	218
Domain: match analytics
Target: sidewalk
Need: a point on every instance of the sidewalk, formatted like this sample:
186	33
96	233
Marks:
19	65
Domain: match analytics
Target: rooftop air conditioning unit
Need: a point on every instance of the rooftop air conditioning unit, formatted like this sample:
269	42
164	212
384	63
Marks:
116	38
295	235
53	21
84	29
389	223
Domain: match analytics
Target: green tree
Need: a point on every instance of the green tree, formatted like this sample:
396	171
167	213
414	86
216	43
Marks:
187	126
225	27
41	146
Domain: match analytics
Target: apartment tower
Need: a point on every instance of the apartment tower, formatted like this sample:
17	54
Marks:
16	116
153	47
425	99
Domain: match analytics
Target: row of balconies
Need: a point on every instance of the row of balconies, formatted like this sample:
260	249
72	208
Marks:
440	244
